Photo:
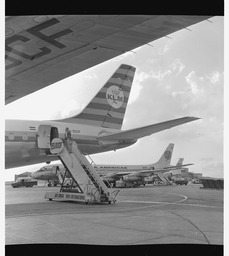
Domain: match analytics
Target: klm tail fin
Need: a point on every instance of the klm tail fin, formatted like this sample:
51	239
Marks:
180	162
165	159
108	107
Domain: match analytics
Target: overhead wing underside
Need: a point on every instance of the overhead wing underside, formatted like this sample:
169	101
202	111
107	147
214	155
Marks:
41	50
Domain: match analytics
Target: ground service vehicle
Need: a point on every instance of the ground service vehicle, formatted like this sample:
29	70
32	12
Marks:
181	182
125	184
24	182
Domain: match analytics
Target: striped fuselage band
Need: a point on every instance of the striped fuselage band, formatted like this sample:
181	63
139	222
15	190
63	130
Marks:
107	108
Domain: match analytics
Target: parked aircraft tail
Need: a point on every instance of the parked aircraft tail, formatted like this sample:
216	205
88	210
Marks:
180	162
166	157
108	107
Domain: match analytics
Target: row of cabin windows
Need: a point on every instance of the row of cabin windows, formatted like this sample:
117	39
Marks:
24	136
54	134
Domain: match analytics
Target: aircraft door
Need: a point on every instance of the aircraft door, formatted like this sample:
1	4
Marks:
54	133
43	138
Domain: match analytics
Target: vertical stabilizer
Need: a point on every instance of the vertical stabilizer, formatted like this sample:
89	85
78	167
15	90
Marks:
108	107
180	162
165	159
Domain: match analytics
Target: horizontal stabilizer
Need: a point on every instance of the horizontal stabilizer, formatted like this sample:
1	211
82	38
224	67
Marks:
176	167
137	133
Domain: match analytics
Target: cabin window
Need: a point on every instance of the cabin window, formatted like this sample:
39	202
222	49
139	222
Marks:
11	136
25	136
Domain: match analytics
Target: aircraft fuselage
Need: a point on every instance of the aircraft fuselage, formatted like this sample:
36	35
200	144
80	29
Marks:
21	146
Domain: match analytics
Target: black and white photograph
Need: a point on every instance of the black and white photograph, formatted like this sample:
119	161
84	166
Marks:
114	132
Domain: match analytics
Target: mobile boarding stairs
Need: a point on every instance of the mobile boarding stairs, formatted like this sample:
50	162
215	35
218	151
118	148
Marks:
86	185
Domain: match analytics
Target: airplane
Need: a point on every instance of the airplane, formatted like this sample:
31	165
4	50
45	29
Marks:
49	174
179	167
96	129
112	173
68	45
138	173
24	174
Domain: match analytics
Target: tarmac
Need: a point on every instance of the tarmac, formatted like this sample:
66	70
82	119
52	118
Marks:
145	215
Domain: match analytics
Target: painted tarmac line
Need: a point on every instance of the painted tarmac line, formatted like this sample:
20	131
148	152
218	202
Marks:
175	203
180	202
144	202
161	203
202	205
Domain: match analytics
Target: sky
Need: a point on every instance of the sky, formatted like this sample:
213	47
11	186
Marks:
182	75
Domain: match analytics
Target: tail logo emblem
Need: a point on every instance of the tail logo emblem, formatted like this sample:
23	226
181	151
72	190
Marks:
167	155
115	96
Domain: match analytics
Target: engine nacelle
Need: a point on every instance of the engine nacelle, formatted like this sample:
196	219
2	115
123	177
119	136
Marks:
109	179
130	178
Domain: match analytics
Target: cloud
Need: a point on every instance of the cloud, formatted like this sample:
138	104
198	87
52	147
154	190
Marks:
91	76
159	72
207	159
178	66
160	75
215	170
215	77
139	78
164	49
70	108
178	93
191	80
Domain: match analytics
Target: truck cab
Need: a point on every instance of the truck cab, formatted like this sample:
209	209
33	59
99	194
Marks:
181	181
24	182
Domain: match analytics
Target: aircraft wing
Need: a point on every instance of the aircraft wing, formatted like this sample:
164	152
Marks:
134	134
117	175
143	173
41	50
175	167
149	172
